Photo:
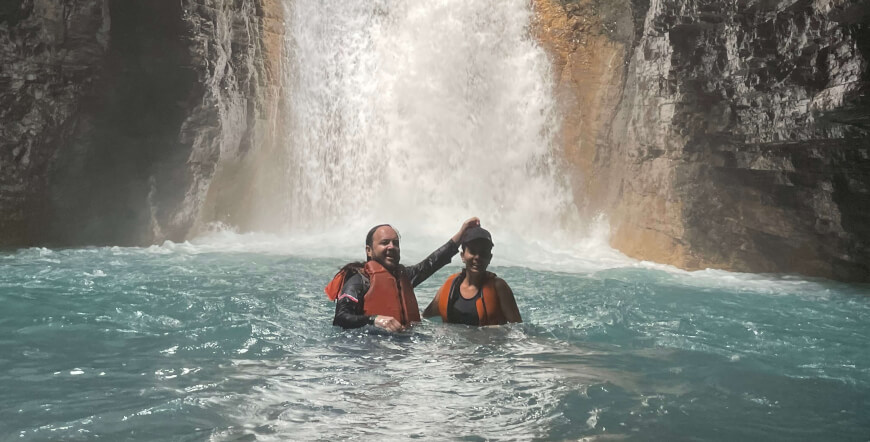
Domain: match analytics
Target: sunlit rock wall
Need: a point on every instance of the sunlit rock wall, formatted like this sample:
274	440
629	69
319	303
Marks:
739	138
590	42
118	114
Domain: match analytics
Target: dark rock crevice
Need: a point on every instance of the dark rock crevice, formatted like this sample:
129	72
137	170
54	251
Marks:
118	114
105	180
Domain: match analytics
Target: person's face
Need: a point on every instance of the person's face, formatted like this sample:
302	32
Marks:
385	247
476	255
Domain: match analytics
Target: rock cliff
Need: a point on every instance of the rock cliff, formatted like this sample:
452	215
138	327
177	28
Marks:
118	114
51	56
729	135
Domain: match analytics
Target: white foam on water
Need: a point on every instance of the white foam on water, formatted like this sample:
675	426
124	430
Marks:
588	257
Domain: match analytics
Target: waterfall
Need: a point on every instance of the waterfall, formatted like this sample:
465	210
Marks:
420	114
415	111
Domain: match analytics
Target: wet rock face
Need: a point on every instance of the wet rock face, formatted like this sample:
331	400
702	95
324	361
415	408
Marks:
51	55
741	138
118	113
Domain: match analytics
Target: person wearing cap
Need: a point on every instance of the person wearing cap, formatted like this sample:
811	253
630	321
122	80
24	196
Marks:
380	291
475	296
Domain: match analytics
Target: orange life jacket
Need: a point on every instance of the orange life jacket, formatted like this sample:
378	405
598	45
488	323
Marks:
386	295
488	307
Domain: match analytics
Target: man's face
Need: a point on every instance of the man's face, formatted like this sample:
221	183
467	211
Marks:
385	247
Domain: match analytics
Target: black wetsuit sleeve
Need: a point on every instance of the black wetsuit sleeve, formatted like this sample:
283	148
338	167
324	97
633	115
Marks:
349	305
418	273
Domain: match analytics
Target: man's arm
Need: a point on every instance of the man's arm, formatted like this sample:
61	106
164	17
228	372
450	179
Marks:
419	272
349	304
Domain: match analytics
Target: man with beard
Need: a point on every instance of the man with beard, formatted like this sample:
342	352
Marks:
380	292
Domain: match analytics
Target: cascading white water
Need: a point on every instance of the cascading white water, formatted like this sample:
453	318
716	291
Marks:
420	112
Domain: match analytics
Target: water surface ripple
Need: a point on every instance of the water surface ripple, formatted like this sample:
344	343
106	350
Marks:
164	344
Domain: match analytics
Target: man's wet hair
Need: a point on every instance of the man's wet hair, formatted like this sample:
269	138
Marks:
371	235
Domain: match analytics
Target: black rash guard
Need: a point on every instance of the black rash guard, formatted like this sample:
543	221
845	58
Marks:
349	311
459	309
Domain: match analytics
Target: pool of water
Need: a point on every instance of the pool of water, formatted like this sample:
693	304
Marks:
190	343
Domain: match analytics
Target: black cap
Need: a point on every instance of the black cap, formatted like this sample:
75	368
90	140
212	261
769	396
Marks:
473	233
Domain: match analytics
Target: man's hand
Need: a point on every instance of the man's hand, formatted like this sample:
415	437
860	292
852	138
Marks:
388	323
471	222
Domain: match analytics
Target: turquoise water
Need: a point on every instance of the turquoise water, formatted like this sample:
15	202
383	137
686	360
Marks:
167	343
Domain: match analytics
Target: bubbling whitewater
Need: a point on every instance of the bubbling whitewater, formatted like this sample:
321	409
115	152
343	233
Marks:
420	114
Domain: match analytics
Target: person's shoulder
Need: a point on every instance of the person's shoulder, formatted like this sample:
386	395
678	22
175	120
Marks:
500	284
356	277
451	277
352	268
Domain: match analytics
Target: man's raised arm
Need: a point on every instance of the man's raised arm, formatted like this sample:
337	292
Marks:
419	272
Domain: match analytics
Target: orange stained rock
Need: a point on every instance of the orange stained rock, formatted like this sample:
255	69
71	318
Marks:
588	69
